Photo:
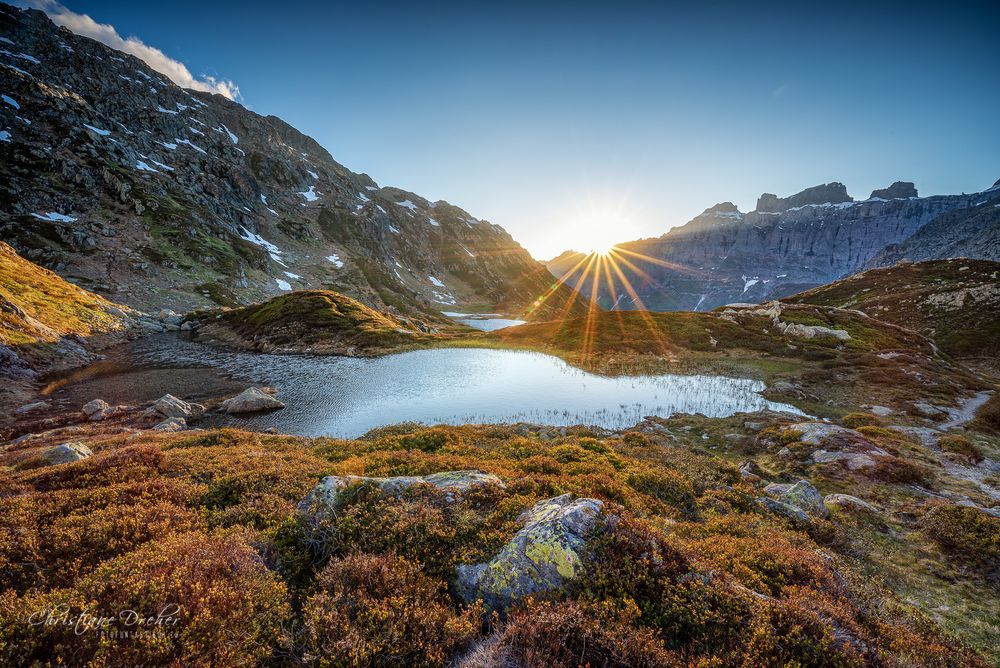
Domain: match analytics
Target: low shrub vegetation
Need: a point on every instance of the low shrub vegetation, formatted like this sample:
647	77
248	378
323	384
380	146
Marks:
684	568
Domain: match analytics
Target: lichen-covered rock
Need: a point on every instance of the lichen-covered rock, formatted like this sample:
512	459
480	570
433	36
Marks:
324	499
848	502
251	400
542	556
804	496
170	406
67	453
787	510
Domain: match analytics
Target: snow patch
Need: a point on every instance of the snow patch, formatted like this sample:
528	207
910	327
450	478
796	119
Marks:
393	230
436	281
232	137
143	167
9	100
103	133
749	282
407	204
283	285
437	224
22	56
312	174
310	194
335	259
258	240
294	277
160	109
54	217
4	136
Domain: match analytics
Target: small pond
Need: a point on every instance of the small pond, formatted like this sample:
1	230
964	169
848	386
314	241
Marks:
346	397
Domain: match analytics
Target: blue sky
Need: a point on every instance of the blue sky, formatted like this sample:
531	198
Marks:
578	124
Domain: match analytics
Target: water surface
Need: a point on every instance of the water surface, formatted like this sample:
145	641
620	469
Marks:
346	397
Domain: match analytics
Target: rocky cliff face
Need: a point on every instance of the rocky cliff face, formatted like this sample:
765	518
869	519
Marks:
785	246
156	195
972	232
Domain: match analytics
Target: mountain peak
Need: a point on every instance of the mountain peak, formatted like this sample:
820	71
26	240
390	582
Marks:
828	193
898	190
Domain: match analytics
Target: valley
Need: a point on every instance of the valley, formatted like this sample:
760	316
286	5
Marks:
290	417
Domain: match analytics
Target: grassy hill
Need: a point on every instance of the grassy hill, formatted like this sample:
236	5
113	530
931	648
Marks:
954	302
37	306
318	321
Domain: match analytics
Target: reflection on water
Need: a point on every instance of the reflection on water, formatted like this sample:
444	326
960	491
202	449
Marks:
346	397
490	324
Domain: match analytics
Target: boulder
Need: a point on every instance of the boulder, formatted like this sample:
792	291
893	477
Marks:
66	453
30	408
750	472
848	502
803	495
170	406
786	510
94	406
172	424
251	400
543	556
324	499
856	461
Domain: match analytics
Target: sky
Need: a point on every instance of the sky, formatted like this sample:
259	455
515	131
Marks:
577	124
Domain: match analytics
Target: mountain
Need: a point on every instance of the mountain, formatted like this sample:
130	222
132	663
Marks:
158	196
954	302
784	246
972	232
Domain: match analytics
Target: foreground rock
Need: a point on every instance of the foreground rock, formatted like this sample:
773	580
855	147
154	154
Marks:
170	406
542	556
838	444
801	495
251	400
97	410
67	453
171	424
325	498
848	502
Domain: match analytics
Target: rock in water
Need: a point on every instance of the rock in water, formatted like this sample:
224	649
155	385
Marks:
251	400
170	406
67	453
542	556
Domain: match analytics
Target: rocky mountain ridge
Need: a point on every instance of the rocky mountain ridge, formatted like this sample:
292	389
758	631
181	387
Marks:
790	244
154	195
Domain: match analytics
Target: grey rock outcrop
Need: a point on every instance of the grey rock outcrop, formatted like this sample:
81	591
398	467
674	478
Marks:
251	400
830	193
848	502
898	190
783	509
544	555
67	453
325	498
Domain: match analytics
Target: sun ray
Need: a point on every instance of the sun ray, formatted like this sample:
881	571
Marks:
644	313
663	263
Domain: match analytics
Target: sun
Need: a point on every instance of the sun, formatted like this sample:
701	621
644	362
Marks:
601	248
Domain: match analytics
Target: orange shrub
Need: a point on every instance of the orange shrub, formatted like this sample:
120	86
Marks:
383	611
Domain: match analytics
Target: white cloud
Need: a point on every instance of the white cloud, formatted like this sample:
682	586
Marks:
105	33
